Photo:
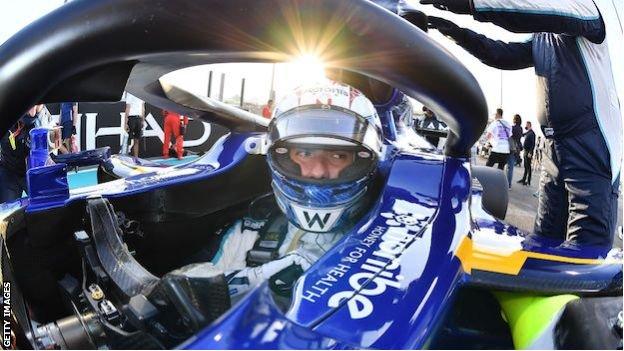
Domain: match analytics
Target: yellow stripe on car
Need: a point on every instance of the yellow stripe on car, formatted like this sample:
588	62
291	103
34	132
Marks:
474	256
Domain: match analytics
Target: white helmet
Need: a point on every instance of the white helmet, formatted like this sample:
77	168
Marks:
325	144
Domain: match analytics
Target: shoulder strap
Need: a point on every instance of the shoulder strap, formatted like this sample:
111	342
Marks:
504	128
270	238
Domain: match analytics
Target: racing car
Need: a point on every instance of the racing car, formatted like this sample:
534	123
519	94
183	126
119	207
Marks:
114	265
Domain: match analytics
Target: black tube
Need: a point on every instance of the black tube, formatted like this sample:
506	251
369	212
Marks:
159	37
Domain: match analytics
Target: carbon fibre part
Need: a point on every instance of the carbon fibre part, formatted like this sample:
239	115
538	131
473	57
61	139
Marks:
129	276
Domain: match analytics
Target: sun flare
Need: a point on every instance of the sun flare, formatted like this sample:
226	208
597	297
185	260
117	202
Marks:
307	69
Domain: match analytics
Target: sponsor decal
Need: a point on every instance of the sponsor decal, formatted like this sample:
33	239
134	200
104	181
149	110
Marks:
316	220
101	124
376	272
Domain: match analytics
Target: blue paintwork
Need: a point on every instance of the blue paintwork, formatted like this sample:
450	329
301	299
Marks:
47	182
425	209
263	325
227	152
416	292
387	121
84	158
539	275
38	147
47	187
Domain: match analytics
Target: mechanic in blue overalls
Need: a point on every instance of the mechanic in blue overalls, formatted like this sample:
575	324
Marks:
578	104
324	145
14	149
574	50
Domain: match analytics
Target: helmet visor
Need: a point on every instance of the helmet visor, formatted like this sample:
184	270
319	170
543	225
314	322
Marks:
322	160
338	126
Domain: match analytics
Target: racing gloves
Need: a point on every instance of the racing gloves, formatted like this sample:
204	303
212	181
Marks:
445	27
415	17
281	274
458	6
421	20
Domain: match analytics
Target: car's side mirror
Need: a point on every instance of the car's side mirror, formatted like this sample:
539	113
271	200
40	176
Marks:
495	196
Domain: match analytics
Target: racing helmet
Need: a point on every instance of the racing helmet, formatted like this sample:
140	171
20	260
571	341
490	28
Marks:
325	144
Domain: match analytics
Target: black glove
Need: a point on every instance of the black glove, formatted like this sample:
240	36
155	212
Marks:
457	6
445	27
415	17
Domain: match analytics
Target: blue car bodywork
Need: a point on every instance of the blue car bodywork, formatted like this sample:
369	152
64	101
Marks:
391	281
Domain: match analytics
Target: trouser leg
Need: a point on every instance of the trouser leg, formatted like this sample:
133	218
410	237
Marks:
491	159
502	161
552	208
581	191
11	186
167	141
511	161
178	140
592	193
526	177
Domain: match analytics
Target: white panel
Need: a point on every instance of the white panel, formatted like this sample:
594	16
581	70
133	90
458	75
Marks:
606	103
583	9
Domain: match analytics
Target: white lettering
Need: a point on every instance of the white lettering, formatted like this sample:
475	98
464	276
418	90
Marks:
310	296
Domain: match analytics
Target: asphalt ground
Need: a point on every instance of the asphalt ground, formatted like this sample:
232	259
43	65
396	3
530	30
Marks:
523	204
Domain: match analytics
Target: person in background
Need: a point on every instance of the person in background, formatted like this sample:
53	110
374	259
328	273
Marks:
514	150
14	150
176	125
516	135
44	118
430	121
267	110
498	133
573	50
528	147
67	121
134	120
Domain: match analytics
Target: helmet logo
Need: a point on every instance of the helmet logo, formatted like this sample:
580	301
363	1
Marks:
315	219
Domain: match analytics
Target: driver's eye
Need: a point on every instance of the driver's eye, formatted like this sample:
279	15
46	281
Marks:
339	156
304	153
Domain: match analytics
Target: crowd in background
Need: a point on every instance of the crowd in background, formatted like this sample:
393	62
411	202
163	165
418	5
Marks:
511	145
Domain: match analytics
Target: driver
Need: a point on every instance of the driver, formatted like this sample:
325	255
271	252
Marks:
324	143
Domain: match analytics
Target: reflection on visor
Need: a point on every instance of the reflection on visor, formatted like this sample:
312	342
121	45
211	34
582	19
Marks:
325	122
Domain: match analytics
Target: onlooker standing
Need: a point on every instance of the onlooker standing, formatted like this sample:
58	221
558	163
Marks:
498	133
528	146
69	116
573	50
516	135
134	120
14	150
267	110
514	150
44	118
430	121
176	125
